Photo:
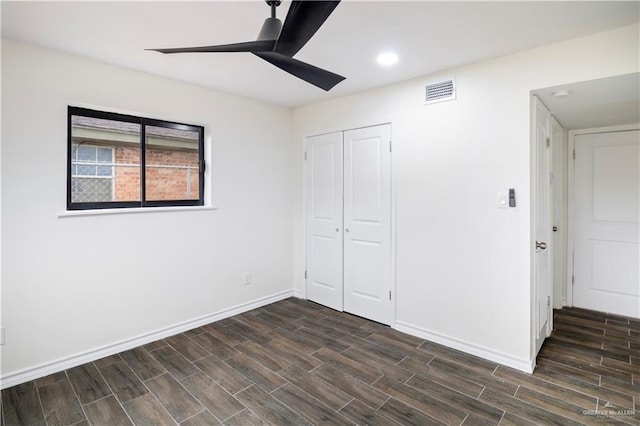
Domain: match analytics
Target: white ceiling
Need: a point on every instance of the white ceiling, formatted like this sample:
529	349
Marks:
428	36
595	103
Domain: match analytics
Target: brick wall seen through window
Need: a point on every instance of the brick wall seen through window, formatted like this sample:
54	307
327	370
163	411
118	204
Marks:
124	161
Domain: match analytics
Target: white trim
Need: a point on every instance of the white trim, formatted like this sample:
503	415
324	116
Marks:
299	294
105	212
65	363
559	185
525	365
532	226
303	290
536	344
571	191
570	224
608	129
393	226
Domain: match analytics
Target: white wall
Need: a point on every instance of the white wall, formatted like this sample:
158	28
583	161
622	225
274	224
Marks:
463	274
74	284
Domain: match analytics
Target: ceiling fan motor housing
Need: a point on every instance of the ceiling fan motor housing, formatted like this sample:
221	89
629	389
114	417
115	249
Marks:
270	29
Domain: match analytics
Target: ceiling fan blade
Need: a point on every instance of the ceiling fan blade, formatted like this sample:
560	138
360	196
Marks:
307	72
249	46
302	21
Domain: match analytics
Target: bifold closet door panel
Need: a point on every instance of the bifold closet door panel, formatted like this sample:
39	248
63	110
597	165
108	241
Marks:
367	223
324	191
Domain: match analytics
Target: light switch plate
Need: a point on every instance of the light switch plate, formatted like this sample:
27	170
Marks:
503	200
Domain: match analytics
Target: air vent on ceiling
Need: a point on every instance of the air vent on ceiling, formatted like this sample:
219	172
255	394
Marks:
440	91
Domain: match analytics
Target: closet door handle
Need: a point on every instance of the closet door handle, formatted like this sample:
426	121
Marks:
346	230
337	229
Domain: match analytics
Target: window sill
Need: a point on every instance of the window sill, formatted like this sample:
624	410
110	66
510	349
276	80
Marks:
136	210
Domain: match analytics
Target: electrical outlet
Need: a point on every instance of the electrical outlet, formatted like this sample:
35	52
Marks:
1	335
247	278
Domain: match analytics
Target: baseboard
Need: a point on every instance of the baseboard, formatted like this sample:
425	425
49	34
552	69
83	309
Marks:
524	365
298	293
65	363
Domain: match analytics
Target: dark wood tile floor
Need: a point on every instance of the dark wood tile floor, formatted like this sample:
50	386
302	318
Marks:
297	363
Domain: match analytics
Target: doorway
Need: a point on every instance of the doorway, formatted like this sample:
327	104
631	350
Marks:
594	106
605	190
348	217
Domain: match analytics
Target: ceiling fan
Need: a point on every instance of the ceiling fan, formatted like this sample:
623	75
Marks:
277	43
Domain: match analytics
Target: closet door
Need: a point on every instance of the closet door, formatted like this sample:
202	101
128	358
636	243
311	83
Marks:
367	223
324	220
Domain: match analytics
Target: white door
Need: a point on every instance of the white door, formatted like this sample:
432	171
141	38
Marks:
559	164
542	225
324	220
367	223
607	217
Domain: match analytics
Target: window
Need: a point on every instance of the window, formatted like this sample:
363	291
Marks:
91	173
117	160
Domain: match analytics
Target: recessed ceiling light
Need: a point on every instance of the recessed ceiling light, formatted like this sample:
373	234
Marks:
563	93
387	59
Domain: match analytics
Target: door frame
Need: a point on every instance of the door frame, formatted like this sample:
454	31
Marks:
535	105
392	219
571	194
559	159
